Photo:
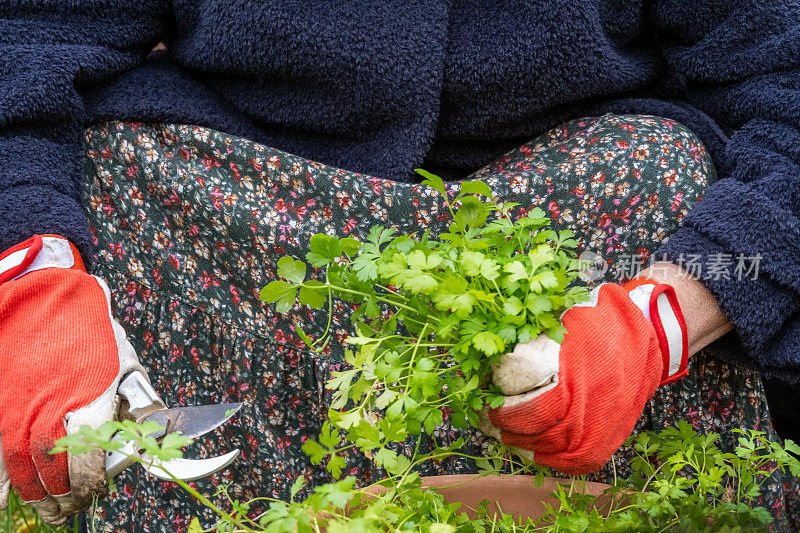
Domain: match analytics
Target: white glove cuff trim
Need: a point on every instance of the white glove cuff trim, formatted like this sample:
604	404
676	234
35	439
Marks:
661	308
55	252
672	332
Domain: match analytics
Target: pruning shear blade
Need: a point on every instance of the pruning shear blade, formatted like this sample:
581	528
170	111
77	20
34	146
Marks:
187	469
144	404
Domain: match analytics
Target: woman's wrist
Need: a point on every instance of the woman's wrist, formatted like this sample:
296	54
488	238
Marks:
705	321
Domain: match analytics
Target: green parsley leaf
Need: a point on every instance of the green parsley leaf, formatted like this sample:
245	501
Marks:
281	293
325	249
302	334
350	246
289	269
476	187
297	486
432	180
489	343
312	294
472	213
513	306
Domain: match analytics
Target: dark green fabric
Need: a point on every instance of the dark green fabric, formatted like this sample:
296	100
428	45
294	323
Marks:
190	223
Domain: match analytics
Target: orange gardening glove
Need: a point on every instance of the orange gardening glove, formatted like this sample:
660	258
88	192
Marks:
574	404
61	359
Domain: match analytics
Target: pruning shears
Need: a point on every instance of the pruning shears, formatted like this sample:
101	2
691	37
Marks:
141	403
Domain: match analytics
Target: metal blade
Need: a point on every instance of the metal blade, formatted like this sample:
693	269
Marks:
194	421
187	469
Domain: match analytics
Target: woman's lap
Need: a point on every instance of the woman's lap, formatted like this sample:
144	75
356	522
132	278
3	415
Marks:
190	223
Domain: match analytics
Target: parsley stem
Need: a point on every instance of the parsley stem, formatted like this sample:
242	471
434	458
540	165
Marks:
380	298
330	317
205	501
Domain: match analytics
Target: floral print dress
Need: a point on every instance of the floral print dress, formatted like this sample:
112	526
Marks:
189	224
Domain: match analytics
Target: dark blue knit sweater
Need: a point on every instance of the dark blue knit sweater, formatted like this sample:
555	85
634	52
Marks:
384	86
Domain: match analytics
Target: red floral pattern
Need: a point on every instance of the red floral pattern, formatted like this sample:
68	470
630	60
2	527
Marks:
189	224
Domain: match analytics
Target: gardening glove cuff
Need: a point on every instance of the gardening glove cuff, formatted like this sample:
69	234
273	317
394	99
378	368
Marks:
659	304
62	356
37	253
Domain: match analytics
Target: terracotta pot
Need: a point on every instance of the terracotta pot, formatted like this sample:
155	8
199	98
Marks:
517	495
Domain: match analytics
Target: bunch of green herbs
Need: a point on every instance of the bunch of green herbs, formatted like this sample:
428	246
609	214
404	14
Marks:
432	315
